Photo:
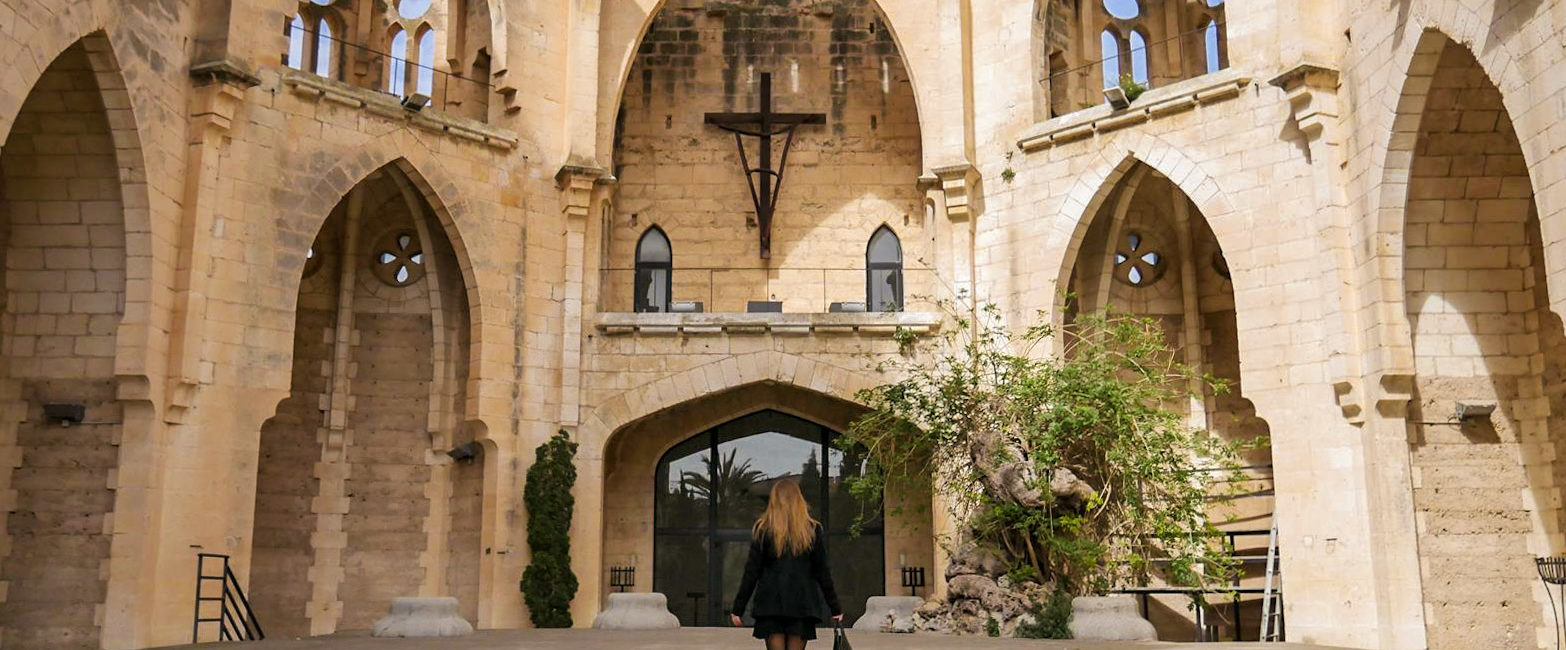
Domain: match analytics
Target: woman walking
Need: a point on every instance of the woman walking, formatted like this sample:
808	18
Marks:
787	563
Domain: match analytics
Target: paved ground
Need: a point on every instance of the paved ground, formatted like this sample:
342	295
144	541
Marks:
697	639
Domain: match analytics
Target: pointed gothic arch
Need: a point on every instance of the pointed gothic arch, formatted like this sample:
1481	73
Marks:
73	201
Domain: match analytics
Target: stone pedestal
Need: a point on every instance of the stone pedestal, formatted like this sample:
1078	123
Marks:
636	612
422	617
1109	618
879	608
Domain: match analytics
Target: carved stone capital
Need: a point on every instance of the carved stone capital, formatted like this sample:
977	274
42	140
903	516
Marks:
1396	391
576	186
958	183
220	89
1312	91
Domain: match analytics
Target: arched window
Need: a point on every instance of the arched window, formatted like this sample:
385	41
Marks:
1210	46
310	37
296	43
412	9
654	271
1123	9
323	47
426	72
397	69
884	271
1109	44
1138	57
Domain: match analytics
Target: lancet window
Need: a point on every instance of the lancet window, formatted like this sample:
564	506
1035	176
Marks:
312	38
654	271
884	271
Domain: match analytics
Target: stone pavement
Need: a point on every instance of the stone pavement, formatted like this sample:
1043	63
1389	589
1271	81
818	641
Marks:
696	639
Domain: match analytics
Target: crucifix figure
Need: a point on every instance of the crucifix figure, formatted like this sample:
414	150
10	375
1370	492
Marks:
765	182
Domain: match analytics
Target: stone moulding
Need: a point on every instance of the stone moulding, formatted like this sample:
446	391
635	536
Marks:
388	106
884	323
1153	104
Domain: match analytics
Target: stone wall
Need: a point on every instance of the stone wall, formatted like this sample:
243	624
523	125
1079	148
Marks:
842	181
1469	273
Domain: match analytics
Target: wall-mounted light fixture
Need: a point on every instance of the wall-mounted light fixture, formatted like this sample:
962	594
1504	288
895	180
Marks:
1116	96
1469	411
465	451
415	102
65	414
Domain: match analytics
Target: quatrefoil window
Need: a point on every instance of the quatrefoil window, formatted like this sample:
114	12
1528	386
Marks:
399	261
1136	263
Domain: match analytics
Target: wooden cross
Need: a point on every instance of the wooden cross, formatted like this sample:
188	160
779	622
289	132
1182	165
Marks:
765	182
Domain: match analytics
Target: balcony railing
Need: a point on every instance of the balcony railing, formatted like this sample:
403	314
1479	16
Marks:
357	65
731	290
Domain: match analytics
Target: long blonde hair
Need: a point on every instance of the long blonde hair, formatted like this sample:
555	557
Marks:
787	520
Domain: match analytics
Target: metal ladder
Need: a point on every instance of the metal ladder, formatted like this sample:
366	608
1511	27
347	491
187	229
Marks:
1272	601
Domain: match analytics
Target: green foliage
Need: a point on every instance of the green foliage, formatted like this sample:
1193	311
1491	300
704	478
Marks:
548	585
1024	572
991	627
1008	174
1051	618
1132	89
980	406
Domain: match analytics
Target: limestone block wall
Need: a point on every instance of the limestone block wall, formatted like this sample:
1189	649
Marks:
387	509
286	485
843	180
64	282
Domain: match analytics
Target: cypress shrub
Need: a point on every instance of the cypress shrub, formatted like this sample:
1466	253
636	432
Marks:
548	585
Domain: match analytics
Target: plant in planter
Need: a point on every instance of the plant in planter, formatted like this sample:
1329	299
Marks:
1077	468
1129	85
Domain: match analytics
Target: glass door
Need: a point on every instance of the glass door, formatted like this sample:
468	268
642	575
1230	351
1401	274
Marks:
713	487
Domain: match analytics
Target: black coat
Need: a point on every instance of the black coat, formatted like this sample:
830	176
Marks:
786	586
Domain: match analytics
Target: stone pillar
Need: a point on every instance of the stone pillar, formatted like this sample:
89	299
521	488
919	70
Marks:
1391	550
331	502
576	186
1190	306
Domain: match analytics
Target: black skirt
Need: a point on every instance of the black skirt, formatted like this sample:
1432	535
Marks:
803	628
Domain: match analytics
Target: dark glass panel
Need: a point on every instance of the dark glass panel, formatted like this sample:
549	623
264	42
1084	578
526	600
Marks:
682	484
680	574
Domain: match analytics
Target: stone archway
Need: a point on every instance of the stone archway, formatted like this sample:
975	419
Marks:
603	442
1149	252
1477	325
355	485
70	167
640	532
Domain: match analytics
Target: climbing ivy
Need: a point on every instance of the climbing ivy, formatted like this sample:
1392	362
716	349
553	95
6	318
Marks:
548	585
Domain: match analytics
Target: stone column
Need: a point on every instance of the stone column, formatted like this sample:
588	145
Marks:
331	502
1190	306
1391	549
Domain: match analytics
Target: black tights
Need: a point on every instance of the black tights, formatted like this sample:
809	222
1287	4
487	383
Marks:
784	642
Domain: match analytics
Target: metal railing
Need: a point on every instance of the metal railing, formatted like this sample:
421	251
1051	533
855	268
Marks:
1179	57
364	67
235	620
730	289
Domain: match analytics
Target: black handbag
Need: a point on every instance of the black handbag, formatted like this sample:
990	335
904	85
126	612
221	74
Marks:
839	638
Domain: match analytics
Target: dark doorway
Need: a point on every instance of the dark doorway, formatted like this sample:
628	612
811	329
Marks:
712	487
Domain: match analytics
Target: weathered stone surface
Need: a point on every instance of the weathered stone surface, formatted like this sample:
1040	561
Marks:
889	614
1109	618
649	611
422	617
